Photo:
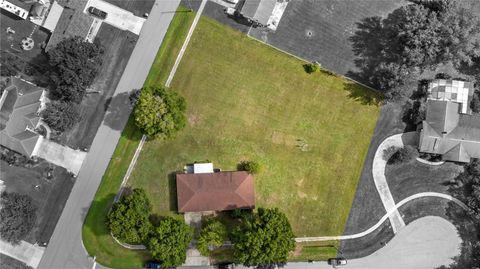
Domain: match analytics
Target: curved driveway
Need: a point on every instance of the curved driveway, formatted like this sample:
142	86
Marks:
393	210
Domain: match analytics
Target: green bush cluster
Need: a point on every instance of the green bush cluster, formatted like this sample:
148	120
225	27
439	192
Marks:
251	167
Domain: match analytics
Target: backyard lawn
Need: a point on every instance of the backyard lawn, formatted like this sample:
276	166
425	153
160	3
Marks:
248	101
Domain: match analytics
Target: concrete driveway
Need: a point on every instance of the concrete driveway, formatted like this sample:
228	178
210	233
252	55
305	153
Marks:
117	17
63	156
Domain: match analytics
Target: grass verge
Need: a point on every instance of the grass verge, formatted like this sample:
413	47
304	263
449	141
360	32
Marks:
96	237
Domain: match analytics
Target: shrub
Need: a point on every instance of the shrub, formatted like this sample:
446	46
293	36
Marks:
251	167
160	112
475	103
168	242
129	218
17	216
311	67
388	152
403	155
213	235
61	116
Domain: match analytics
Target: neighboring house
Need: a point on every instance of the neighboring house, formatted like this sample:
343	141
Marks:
20	104
214	191
449	128
258	11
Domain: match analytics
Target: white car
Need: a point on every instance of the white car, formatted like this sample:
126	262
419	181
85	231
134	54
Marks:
232	1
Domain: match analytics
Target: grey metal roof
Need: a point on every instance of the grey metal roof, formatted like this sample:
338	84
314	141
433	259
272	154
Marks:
18	107
258	10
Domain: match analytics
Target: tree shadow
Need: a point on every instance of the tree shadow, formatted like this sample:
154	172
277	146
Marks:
362	94
172	191
118	109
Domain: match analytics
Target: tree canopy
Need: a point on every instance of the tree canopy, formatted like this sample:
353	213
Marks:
128	219
213	234
61	116
17	216
74	64
414	37
160	112
264	238
168	242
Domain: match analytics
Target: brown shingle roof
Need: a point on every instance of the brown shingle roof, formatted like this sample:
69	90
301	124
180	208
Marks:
215	191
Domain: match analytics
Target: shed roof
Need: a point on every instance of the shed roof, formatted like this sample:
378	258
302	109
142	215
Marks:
215	191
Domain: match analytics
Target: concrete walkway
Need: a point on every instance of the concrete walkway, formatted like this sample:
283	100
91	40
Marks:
63	156
65	249
378	172
24	252
393	210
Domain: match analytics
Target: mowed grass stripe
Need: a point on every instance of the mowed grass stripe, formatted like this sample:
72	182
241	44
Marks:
249	101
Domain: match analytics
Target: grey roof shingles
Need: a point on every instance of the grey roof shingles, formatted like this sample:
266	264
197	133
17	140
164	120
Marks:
447	132
20	103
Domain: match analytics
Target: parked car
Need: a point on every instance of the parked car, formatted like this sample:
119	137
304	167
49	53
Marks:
337	261
153	265
233	1
97	12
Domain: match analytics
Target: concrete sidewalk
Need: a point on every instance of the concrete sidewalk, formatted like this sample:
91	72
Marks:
25	252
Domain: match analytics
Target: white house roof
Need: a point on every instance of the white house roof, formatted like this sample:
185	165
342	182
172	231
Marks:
201	168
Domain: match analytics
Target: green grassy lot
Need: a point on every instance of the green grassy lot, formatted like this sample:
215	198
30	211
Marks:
249	101
96	237
317	251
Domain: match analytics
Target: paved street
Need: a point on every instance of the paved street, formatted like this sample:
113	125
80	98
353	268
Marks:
65	249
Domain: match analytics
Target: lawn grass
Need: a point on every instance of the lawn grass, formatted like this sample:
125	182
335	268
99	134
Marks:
96	237
316	251
248	101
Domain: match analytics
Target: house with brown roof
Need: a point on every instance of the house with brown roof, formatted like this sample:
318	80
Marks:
215	191
449	132
20	104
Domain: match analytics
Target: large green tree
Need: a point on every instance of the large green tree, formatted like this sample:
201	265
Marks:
61	116
128	219
17	216
265	238
213	234
168	242
160	112
74	64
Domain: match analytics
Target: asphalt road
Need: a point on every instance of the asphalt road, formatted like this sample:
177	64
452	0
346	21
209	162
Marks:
65	249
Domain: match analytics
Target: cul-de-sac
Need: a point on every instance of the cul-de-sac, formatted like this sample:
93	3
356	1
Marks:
240	134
